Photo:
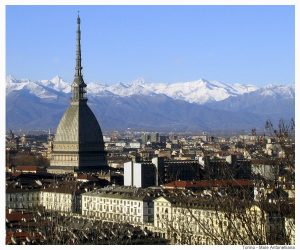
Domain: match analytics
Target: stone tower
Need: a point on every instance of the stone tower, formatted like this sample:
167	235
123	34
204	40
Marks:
78	143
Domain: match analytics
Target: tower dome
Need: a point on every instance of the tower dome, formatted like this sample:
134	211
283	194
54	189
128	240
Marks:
78	143
79	125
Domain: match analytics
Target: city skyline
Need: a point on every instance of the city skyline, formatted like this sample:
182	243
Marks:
192	163
116	48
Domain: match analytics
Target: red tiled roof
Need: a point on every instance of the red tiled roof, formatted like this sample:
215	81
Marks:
21	236
209	183
17	216
27	168
86	177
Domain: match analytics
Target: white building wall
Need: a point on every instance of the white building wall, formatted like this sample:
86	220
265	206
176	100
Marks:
137	174
120	144
115	209
56	201
135	145
128	173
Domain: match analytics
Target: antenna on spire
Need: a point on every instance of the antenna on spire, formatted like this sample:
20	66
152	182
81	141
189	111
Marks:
78	86
78	49
78	17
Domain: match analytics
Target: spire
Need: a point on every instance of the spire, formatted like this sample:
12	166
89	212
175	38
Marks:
78	86
78	49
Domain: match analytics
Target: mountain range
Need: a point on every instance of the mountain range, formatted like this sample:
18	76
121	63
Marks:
184	106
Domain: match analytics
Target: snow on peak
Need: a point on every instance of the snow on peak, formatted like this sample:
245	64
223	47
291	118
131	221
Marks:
57	83
11	79
56	79
139	81
275	90
125	85
199	91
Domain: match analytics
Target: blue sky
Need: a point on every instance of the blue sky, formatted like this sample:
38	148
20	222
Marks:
245	44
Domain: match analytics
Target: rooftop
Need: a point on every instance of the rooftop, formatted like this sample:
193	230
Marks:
209	183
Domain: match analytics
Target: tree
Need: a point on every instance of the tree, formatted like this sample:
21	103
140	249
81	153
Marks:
22	159
284	134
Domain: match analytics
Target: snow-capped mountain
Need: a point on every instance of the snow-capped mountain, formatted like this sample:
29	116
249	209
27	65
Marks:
282	91
200	91
260	98
184	106
57	83
271	101
45	89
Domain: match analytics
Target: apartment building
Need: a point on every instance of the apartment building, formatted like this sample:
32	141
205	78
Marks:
204	221
119	204
62	198
22	198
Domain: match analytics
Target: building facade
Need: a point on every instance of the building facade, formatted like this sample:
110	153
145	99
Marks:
119	204
159	171
62	199
202	221
139	174
22	198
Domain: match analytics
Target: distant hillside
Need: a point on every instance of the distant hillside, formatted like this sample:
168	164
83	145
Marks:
190	106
